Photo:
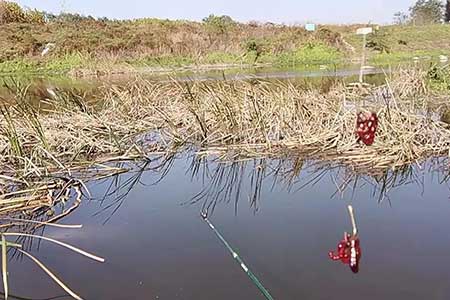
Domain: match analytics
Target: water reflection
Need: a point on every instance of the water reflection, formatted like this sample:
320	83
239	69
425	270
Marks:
285	236
41	87
235	181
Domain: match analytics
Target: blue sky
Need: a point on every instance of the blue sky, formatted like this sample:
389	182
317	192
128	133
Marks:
279	11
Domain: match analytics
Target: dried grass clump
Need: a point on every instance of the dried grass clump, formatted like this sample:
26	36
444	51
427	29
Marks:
267	118
231	118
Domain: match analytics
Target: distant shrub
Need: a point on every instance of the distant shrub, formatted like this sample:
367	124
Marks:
35	17
256	47
329	36
11	12
377	41
73	18
439	77
219	24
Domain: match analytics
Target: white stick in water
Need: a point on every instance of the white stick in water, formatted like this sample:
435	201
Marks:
352	218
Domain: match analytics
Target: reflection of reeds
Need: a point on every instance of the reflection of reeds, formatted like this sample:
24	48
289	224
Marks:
231	182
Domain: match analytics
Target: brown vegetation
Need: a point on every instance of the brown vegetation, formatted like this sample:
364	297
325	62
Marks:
154	38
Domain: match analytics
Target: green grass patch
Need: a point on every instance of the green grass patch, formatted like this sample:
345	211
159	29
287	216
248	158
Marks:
162	61
311	54
67	62
62	64
17	65
222	58
402	56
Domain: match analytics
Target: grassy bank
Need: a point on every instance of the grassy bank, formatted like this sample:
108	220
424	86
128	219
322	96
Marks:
84	45
156	43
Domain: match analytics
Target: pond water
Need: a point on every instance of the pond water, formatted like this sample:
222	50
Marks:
281	216
42	87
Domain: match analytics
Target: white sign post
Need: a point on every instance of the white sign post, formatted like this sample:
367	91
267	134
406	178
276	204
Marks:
364	32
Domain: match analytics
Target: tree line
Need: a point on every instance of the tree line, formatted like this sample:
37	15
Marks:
425	12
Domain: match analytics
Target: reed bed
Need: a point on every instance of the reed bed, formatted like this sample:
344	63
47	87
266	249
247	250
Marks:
231	119
49	152
257	118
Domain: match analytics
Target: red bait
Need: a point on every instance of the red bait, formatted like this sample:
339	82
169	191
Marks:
348	252
366	127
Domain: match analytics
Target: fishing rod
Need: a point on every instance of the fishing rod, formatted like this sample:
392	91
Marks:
244	267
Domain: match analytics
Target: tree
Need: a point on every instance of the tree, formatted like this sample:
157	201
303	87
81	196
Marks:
427	11
400	18
219	24
447	11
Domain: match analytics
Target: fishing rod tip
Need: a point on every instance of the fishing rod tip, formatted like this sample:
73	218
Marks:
204	215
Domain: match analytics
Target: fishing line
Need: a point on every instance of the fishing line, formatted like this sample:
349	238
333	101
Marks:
352	219
244	267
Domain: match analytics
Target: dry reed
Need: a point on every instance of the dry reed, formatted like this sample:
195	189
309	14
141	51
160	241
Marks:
228	118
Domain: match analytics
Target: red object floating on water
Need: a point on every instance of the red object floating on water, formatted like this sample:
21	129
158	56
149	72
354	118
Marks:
348	252
366	127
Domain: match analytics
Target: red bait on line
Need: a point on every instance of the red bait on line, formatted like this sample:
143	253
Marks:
348	252
366	127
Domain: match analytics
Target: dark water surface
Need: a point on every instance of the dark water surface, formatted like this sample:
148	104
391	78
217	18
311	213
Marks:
283	225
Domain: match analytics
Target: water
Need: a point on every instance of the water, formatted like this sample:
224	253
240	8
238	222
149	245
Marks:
316	75
41	87
282	224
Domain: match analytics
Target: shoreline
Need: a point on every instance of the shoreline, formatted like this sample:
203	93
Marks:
106	69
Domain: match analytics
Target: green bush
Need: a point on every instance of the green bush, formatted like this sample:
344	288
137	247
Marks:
67	62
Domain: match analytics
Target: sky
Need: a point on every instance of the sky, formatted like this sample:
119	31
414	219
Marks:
277	11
